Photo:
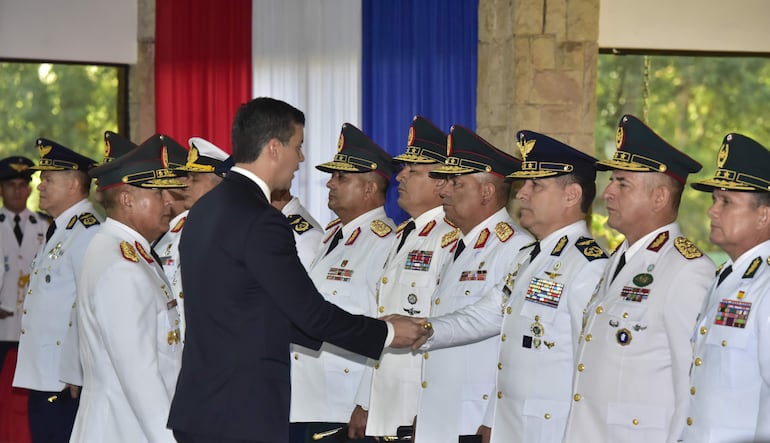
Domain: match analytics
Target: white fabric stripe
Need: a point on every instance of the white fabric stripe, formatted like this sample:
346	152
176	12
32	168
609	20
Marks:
308	53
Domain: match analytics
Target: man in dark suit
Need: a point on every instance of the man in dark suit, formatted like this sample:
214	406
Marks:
248	296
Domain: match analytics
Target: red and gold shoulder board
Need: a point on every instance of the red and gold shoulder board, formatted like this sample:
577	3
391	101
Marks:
380	228
179	225
504	231
450	237
482	240
332	223
353	237
449	222
128	252
401	227
687	248
429	227
147	257
659	241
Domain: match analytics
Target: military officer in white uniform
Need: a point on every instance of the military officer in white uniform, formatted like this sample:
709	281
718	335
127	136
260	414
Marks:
458	382
22	232
128	320
730	372
634	353
64	188
420	251
307	231
346	269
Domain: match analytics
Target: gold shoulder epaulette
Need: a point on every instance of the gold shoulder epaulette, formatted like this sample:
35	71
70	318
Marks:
560	246
332	223
380	228
719	268
658	242
88	219
128	251
450	237
179	225
403	224
72	222
504	231
147	257
687	248
590	249
299	224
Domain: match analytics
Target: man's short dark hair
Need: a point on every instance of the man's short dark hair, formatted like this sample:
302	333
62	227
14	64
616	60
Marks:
259	121
761	199
587	184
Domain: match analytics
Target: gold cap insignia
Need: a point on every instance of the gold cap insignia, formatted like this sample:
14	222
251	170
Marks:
525	147
164	157
340	143
44	150
411	137
192	155
18	167
619	136
722	155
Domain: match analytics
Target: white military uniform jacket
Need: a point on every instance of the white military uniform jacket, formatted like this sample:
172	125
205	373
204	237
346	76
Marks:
307	231
47	325
410	277
324	382
167	249
129	341
16	263
631	379
457	382
730	374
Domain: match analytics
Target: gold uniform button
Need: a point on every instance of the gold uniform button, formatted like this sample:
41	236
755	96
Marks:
577	397
438	301
485	397
377	365
29	292
581	367
625	315
425	356
589	337
346	370
58	343
599	309
384	280
635	422
296	356
698	361
25	312
692	390
500	366
724	343
689	421
509	310
23	331
413	284
503	337
467	292
424	384
334	292
499	394
381	309
70	324
547	416
703	330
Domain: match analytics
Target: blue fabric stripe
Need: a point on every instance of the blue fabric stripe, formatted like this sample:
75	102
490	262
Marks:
418	57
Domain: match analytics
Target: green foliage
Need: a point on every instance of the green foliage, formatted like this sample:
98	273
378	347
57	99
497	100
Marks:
71	104
693	103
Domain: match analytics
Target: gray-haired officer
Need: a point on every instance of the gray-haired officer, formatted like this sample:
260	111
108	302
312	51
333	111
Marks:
130	341
458	382
730	372
345	271
634	351
64	188
422	247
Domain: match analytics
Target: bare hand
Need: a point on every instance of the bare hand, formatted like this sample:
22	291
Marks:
485	432
408	330
74	390
4	314
357	425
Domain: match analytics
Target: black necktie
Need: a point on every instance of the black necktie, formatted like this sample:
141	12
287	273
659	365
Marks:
533	253
405	233
723	275
155	256
621	263
50	231
17	229
335	241
459	249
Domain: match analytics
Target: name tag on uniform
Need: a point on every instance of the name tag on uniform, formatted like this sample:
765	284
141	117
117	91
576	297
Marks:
733	313
339	274
544	292
479	275
632	293
418	260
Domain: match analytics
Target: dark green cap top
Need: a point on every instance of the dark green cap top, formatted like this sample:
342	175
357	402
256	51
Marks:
543	156
147	166
56	157
640	149
467	153
358	153
426	143
742	165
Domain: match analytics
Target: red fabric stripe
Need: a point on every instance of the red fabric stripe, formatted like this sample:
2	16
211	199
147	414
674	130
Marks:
202	67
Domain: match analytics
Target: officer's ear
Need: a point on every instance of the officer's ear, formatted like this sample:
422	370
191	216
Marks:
763	219
573	194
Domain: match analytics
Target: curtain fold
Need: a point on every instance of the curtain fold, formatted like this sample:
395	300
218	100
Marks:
202	67
418	57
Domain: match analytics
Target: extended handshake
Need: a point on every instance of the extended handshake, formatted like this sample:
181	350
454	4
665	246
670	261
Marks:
410	332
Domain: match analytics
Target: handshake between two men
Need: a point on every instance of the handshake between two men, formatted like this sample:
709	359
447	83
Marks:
410	332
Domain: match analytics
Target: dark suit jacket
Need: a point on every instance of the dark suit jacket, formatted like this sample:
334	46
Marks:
247	297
